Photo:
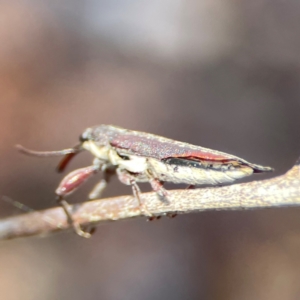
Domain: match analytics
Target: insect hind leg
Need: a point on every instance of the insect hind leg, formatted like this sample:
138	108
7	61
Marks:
158	187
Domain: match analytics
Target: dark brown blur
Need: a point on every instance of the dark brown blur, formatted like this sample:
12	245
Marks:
221	74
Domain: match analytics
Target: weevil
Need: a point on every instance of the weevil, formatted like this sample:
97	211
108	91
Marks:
143	157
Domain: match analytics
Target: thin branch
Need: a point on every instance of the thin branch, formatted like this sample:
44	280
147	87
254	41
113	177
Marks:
280	191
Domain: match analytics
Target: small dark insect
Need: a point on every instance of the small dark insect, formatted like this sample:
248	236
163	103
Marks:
143	157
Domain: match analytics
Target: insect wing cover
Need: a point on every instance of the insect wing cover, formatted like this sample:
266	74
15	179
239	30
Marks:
149	145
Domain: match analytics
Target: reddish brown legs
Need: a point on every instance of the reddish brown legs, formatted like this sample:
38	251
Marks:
70	182
162	193
68	185
157	187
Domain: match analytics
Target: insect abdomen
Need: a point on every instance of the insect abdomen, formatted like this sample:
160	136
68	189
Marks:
186	171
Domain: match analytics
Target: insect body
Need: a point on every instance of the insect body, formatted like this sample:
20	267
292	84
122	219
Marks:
142	157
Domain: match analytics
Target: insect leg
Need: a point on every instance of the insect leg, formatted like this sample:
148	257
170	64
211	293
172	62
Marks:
71	221
129	179
68	185
98	189
157	187
100	186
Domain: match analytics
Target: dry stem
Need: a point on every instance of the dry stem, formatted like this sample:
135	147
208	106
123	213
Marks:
280	191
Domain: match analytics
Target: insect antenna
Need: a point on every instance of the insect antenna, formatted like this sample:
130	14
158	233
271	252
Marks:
67	153
17	204
30	152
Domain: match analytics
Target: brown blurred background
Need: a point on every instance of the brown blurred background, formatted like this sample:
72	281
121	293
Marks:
220	74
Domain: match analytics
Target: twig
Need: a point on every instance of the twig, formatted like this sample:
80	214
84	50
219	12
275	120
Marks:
280	191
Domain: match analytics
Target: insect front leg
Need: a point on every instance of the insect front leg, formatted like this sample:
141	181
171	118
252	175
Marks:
68	185
100	186
129	179
77	228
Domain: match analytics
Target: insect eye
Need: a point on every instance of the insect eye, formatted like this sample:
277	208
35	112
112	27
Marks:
86	135
82	138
